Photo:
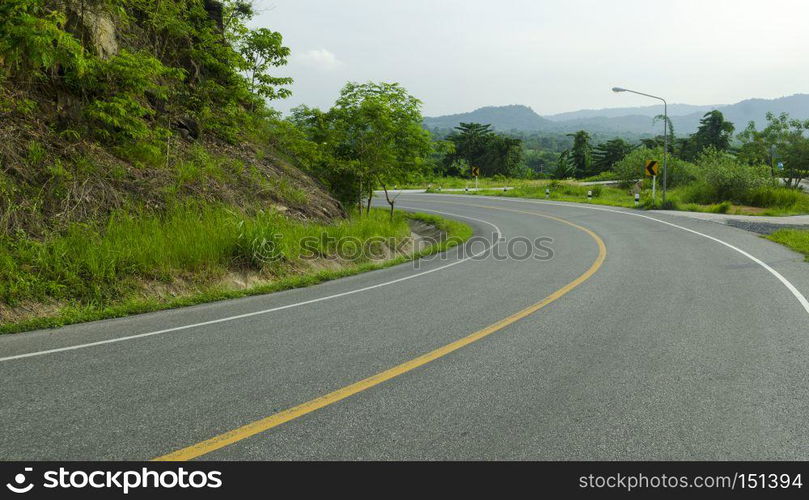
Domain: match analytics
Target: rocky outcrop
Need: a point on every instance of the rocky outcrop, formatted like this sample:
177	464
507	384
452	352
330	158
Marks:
95	26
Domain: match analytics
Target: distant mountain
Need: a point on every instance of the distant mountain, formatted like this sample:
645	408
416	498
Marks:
617	121
503	118
651	111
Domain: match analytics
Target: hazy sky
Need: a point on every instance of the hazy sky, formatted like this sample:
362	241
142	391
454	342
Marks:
552	55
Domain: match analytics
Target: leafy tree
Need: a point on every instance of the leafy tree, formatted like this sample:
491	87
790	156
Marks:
477	145
378	130
310	137
782	140
470	142
713	132
607	154
755	148
235	14
263	49
564	166
796	160
581	153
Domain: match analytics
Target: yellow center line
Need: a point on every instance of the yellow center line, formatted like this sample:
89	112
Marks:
267	423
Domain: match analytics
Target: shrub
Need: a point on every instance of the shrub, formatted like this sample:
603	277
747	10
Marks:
729	179
631	168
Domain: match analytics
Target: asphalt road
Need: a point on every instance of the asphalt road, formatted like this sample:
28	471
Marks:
684	341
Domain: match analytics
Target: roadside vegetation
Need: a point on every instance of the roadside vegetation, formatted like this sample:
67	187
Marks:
755	172
796	239
142	166
141	162
193	253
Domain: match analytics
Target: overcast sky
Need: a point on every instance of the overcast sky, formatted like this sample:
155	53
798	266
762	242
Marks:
552	55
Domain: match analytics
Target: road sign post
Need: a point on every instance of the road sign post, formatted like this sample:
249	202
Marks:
476	174
651	170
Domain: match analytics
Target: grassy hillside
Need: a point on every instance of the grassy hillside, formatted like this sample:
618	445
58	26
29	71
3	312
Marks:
132	105
140	167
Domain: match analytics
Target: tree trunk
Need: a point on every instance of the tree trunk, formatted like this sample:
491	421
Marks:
390	201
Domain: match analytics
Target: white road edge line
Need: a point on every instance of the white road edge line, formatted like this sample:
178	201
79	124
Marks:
498	236
798	295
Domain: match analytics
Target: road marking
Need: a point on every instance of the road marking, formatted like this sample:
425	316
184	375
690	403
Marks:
265	424
497	236
792	288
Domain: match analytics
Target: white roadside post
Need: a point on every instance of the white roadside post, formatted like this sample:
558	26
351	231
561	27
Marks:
547	194
637	199
654	188
589	196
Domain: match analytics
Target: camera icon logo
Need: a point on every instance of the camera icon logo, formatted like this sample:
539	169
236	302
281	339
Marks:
20	480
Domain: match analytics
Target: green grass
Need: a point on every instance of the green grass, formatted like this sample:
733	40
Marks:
765	200
460	183
95	272
566	191
796	239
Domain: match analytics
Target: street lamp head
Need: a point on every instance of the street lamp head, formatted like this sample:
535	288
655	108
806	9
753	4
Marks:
618	89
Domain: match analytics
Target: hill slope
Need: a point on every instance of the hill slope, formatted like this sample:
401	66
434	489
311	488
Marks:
91	122
139	168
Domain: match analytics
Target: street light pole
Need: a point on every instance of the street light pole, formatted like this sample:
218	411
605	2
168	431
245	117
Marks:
665	132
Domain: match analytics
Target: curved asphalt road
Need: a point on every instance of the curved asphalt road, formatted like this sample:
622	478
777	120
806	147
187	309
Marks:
677	347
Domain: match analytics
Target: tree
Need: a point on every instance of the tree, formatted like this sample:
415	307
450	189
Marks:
263	49
311	137
235	14
470	141
378	129
713	132
564	167
607	154
796	160
581	153
755	149
781	140
477	145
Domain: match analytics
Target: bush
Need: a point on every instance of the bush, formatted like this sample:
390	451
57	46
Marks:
631	168
729	179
